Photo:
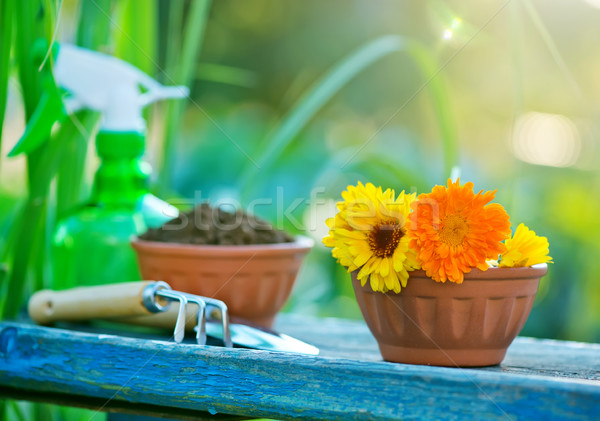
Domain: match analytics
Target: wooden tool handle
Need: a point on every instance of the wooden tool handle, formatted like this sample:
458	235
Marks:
85	303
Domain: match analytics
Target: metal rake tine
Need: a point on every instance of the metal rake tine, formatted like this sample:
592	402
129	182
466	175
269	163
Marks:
201	326
224	317
179	332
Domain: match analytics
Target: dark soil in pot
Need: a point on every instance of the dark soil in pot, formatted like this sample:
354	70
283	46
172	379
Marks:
214	226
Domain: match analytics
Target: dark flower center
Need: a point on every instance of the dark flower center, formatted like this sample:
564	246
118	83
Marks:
384	239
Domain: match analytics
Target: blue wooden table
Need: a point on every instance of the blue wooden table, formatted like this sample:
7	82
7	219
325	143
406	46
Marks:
539	379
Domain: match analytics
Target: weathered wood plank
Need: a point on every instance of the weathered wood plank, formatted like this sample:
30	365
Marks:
352	339
286	386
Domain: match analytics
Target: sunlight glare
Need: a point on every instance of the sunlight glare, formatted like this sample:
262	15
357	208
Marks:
593	3
546	139
449	33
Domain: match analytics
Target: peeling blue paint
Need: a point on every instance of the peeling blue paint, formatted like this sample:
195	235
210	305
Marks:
286	386
8	341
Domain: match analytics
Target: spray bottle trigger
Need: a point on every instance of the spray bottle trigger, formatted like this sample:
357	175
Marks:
163	92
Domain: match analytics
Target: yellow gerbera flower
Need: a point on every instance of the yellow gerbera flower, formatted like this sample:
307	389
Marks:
525	249
454	230
370	233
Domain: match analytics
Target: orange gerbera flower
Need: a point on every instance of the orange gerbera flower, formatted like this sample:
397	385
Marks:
454	230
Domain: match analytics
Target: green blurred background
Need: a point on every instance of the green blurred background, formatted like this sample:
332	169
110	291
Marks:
292	101
514	84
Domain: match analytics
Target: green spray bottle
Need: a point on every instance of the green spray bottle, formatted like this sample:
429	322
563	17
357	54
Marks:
91	246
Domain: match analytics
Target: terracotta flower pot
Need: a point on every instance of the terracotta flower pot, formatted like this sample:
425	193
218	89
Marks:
253	280
447	324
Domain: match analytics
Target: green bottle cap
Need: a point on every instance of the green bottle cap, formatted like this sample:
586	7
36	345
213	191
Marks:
120	145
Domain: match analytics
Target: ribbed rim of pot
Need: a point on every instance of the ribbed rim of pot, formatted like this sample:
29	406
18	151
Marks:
538	270
300	244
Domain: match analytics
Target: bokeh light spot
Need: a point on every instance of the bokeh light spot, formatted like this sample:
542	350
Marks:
449	33
593	3
546	139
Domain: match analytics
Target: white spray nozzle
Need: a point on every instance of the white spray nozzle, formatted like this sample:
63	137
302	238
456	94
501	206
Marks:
109	85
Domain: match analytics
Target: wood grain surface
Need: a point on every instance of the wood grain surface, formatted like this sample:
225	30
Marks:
539	379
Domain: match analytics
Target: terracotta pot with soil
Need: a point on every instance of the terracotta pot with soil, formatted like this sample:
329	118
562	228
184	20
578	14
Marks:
447	324
233	257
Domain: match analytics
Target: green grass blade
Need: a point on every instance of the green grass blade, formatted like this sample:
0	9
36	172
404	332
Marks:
32	229
192	41
136	40
3	275
325	88
70	181
173	42
23	249
29	25
316	96
17	412
94	25
229	75
438	92
6	31
184	73
33	20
